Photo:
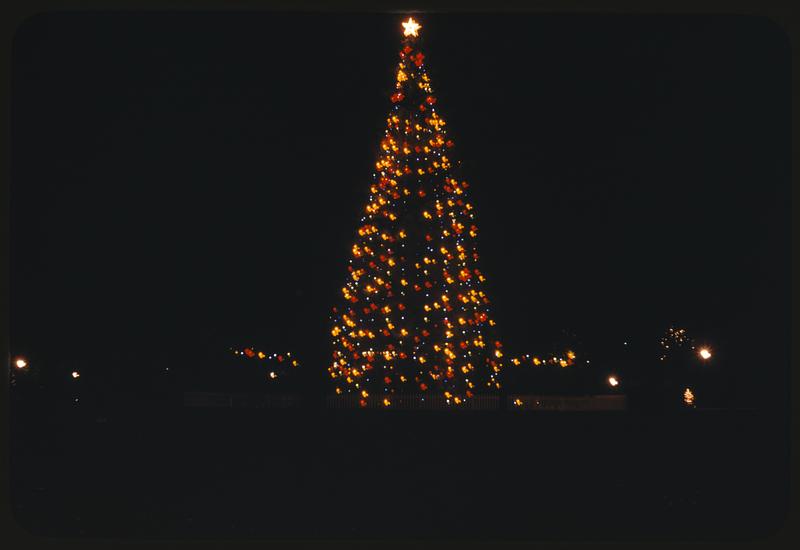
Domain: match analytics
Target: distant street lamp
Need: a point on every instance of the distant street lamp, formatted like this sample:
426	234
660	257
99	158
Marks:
20	363
76	374
612	381
704	353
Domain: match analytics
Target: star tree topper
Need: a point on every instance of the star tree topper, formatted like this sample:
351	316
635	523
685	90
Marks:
410	27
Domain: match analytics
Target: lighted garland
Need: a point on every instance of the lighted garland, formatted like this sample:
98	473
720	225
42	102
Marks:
276	365
567	359
414	317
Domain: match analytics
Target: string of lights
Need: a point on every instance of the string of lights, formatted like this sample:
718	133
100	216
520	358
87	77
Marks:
568	359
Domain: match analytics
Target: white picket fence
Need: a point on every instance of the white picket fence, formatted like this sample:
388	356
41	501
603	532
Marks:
240	400
566	403
414	402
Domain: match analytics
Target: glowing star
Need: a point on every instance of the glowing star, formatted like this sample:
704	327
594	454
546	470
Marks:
410	27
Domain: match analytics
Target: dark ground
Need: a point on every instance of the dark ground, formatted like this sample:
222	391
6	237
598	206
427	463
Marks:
172	472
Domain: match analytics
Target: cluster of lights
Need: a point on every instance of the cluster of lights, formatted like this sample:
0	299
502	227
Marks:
678	339
675	338
278	363
414	317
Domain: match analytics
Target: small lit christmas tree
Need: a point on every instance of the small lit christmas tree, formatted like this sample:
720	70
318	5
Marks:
688	397
414	317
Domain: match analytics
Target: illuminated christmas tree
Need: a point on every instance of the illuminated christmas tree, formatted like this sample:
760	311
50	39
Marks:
414	318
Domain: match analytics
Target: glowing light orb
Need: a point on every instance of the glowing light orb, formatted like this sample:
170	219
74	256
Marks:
20	363
705	353
76	374
410	27
613	382
688	397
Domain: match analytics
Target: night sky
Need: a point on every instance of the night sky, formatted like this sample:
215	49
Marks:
194	181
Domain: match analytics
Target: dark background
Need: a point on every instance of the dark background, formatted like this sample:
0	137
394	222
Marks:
184	180
186	183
